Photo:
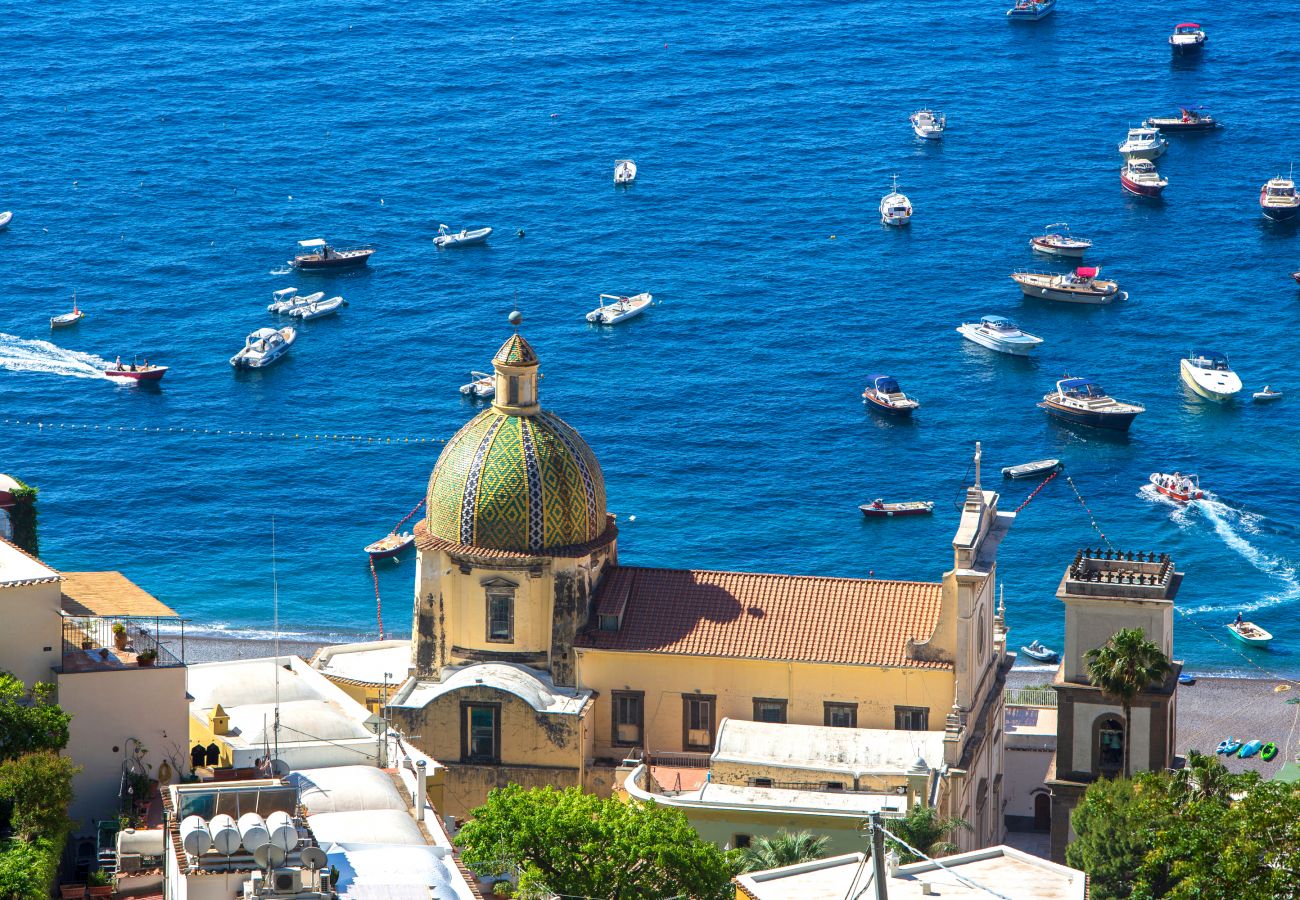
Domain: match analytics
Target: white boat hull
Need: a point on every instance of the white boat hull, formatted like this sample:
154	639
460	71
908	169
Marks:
1217	385
973	334
929	134
1147	153
1054	250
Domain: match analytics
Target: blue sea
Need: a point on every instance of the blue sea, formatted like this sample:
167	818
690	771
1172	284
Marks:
162	159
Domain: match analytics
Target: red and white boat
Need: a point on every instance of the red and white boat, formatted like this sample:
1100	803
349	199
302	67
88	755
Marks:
1177	486
136	372
1139	177
879	508
390	545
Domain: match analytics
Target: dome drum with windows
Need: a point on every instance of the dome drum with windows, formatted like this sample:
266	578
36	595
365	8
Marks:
515	477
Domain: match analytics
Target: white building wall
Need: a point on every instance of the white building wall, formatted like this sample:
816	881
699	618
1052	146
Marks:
31	634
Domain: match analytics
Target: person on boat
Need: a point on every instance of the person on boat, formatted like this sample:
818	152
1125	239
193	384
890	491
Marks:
119	366
1239	620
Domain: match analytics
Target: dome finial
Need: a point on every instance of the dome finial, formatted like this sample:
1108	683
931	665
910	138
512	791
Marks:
516	319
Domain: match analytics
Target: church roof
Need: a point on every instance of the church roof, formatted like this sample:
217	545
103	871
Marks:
516	352
760	616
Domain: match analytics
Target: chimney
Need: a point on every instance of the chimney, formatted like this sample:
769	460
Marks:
421	789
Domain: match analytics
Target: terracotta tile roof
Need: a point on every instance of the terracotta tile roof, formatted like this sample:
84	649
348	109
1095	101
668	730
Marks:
109	594
760	616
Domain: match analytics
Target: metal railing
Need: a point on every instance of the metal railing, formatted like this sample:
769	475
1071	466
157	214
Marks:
1030	697
90	644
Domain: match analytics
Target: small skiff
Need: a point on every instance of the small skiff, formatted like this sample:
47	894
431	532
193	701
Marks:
135	372
1267	394
1184	678
484	386
620	309
881	509
1177	486
5	218
318	309
1040	653
624	171
1249	633
390	545
1033	469
463	238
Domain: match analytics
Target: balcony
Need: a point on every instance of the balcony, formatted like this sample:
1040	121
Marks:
110	623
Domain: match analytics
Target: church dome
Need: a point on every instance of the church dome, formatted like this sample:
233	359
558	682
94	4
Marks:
516	477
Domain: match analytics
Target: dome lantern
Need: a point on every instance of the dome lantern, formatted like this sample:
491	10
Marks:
516	375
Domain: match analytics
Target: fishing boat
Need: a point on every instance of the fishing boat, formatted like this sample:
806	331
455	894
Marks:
619	309
1249	633
1040	653
484	386
1277	199
884	394
318	309
624	171
1209	375
895	208
1266	395
1188	37
317	256
1249	749
5	218
264	347
928	124
290	302
1177	486
1143	143
881	509
1080	286
1030	10
1081	401
1033	469
135	371
68	318
463	238
1189	119
1001	334
1059	242
1140	178
390	545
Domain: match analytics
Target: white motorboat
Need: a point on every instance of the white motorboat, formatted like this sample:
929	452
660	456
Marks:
1177	486
318	309
1059	242
484	386
1209	375
1277	199
619	309
5	218
1188	37
1140	178
1266	395
1080	286
624	171
63	320
895	208
884	393
290	302
1000	334
1143	143
928	124
463	238
1032	469
264	347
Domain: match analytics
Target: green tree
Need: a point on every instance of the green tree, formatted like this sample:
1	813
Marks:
23	519
1113	837
27	870
927	831
786	849
39	787
29	720
1124	667
571	842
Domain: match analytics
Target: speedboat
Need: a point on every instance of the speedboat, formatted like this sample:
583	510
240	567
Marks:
884	394
289	302
68	318
1139	177
1209	375
1080	286
1177	486
1188	37
1249	633
1000	334
1030	10
135	371
264	347
624	171
619	310
1033	469
390	545
281	299
1037	651
1191	118
1277	198
5	218
318	309
1081	401
463	238
1143	143
1059	242
484	386
928	124
881	509
1267	394
895	208
317	256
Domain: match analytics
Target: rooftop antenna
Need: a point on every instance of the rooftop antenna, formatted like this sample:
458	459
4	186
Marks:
275	607
978	455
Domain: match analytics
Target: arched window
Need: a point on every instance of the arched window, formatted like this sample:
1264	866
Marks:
1108	748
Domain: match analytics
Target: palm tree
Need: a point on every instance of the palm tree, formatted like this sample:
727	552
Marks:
1203	778
924	829
1124	667
785	849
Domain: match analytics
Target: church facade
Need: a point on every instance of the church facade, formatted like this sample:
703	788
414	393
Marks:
538	658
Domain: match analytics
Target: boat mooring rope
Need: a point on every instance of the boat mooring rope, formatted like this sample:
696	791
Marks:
1034	492
227	432
1091	517
379	606
407	516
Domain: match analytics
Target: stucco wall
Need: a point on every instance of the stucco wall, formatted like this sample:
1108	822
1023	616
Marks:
31	623
1026	772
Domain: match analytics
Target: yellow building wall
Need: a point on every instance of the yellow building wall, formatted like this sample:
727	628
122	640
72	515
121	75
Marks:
30	614
736	682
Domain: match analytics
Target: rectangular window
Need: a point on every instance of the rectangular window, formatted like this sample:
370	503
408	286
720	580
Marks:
832	786
912	718
760	782
501	617
697	721
480	740
740	841
769	710
841	715
629	717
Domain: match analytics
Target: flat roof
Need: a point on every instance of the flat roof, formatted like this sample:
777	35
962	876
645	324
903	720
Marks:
110	594
18	567
366	663
823	748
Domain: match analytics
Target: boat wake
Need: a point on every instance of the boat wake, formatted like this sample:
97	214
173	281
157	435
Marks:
283	270
21	355
1231	525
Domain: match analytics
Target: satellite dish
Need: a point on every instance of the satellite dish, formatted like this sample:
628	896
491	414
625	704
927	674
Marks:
268	856
279	768
375	724
314	858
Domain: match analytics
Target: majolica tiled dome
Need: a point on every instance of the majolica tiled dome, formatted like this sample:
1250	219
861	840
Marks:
524	483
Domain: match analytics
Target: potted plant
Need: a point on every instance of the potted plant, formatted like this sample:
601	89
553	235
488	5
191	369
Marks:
119	635
101	883
147	657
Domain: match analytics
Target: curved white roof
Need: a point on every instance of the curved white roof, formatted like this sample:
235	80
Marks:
826	749
346	789
383	867
300	720
376	826
533	687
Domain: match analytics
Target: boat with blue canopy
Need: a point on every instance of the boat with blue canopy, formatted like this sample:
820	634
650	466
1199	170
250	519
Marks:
1081	401
884	394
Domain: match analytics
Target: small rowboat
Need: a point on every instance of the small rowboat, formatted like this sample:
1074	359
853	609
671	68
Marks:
1249	749
881	509
1267	394
1032	469
390	545
135	372
1249	633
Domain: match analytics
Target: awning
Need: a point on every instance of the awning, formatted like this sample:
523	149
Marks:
1087	271
109	594
314	242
